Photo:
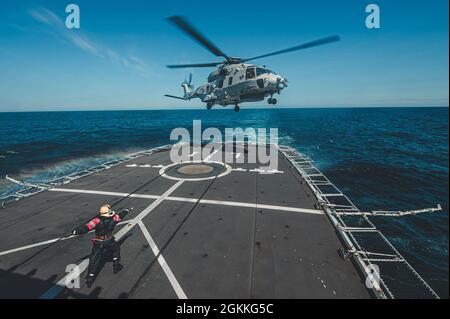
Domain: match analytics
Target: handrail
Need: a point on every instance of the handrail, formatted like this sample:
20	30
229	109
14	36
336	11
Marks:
30	189
337	212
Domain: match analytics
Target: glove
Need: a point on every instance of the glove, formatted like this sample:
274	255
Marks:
125	212
128	210
77	231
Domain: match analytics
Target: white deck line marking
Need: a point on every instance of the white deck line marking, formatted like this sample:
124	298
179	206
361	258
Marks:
173	281
7	252
144	166
165	169
61	284
83	191
265	171
249	205
146	211
210	156
144	196
207	201
42	243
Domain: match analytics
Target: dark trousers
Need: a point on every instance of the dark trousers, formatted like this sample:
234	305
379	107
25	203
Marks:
102	249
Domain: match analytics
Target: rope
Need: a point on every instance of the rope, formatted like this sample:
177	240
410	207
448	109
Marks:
15	267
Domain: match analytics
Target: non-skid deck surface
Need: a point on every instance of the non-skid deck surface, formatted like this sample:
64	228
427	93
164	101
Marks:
242	234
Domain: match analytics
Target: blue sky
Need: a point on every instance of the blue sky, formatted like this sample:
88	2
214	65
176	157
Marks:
117	59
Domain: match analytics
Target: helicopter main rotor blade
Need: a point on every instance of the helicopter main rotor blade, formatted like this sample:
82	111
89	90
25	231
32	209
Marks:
198	65
307	45
184	25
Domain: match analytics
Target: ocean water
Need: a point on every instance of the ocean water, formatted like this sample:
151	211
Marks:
382	158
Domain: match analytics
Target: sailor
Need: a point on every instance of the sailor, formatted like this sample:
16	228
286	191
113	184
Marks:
104	243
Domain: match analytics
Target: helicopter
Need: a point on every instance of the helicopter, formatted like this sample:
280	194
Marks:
235	81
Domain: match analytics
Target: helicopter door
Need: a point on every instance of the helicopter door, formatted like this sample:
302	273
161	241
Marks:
260	83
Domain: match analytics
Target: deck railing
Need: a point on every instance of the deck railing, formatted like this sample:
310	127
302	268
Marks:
388	274
29	189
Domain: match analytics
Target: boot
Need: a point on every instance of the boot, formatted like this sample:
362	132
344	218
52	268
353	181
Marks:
90	280
117	266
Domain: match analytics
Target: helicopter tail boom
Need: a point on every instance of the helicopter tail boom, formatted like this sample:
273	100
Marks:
187	88
175	97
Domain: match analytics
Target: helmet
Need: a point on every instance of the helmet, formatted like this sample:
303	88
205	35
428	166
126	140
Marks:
106	211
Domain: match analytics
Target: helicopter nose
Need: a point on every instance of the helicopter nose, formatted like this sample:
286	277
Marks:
273	81
283	83
277	82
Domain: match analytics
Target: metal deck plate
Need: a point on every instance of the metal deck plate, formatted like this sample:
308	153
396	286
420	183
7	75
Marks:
241	235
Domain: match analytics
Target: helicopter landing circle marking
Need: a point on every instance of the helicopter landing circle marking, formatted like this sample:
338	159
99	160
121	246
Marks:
163	171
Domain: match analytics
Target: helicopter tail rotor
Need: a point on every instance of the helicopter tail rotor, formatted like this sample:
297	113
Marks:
188	89
187	86
188	82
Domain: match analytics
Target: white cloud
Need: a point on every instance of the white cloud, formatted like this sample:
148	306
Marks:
38	16
83	42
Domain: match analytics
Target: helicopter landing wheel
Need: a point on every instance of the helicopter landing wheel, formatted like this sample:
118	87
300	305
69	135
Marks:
274	101
237	108
208	106
269	100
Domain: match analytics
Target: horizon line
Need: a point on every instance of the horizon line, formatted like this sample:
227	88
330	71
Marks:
224	108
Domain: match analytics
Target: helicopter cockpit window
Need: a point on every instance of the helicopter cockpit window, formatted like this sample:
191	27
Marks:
249	73
220	84
261	71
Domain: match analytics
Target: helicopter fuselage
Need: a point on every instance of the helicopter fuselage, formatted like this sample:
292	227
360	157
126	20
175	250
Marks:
234	81
238	83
